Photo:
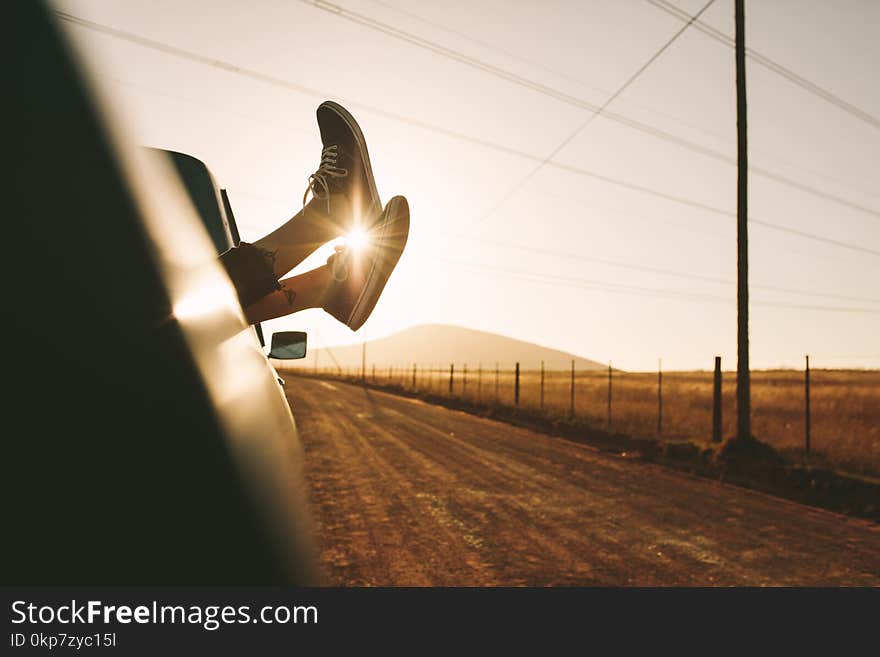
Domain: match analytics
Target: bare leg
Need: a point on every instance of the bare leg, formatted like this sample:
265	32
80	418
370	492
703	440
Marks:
310	228
296	293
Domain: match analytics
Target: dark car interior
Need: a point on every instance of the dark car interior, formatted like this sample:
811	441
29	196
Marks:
118	470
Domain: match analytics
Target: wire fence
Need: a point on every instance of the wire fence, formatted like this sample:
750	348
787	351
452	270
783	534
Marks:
835	418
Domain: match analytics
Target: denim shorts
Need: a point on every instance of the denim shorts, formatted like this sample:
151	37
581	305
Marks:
250	269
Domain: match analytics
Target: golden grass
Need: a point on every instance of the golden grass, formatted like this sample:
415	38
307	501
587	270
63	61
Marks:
845	405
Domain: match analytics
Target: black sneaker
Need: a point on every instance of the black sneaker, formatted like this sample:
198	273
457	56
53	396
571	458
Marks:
360	275
344	170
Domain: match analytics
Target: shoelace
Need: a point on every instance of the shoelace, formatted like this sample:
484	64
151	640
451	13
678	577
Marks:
338	263
319	181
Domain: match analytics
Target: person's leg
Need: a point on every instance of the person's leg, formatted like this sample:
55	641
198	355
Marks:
344	197
350	284
310	228
344	194
294	294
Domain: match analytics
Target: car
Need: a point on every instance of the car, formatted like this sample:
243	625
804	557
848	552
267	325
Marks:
147	439
214	209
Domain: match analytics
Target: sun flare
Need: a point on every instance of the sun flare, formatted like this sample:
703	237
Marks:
358	239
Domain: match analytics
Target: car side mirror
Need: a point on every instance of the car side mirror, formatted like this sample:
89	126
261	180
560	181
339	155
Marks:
288	345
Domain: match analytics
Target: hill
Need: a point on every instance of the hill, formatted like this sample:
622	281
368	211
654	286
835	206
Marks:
441	344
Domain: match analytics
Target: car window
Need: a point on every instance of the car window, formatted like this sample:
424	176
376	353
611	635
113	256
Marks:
205	195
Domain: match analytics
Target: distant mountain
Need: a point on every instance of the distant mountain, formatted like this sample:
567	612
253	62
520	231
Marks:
441	344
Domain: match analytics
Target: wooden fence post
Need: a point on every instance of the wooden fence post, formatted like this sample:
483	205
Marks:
571	401
659	396
516	387
496	383
451	374
414	376
716	403
479	383
807	407
609	395
542	385
464	381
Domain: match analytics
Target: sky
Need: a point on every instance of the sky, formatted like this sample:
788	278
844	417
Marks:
608	242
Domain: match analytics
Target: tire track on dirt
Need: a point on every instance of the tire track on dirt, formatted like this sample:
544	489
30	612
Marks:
443	497
391	497
764	511
554	532
679	558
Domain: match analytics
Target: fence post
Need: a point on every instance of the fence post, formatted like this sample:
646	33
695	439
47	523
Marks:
496	383
609	394
414	376
464	381
716	403
479	383
516	387
542	385
571	401
451	373
659	396
807	407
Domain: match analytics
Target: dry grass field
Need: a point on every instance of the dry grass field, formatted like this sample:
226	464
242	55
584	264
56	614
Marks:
845	405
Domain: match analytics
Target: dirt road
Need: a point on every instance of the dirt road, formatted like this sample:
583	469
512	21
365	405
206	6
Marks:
406	493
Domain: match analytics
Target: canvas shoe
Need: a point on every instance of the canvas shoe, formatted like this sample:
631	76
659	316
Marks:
359	276
343	183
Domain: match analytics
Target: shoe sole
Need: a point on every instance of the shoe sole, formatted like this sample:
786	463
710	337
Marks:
375	283
365	153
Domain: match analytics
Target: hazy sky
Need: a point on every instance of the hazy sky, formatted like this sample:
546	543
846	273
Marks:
523	259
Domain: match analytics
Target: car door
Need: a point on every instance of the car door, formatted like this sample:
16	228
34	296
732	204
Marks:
146	439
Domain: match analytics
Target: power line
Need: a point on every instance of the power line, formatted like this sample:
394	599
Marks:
768	63
199	103
614	263
291	86
598	112
569	99
649	108
714	210
611	262
664	272
607	286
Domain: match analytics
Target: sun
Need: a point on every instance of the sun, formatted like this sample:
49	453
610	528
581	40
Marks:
358	239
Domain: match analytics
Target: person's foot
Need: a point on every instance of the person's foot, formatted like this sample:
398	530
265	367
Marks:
344	180
359	276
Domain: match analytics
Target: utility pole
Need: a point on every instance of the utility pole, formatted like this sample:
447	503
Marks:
743	385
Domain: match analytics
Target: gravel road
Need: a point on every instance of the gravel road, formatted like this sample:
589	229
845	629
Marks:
407	493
